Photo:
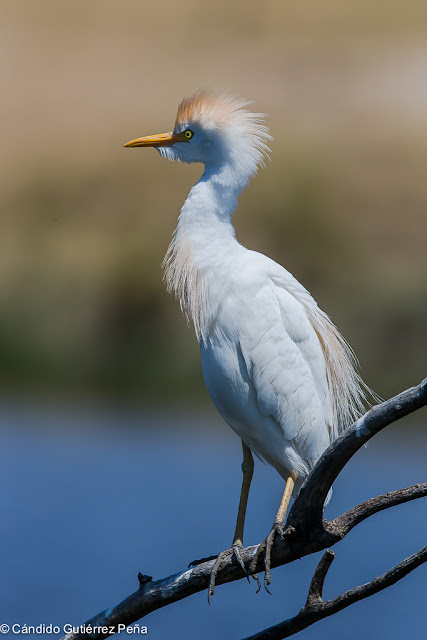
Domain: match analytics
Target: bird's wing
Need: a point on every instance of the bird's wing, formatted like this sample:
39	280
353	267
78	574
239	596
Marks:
285	362
347	391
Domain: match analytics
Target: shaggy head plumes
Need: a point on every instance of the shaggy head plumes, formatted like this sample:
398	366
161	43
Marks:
218	129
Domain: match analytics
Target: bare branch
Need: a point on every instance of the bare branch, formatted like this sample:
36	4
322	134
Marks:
306	533
317	610
315	591
354	516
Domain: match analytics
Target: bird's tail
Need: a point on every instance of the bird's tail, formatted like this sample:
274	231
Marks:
348	393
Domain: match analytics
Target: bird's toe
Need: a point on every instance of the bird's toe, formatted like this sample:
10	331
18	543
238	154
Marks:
265	547
233	551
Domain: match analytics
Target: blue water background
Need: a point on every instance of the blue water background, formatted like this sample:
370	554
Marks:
89	497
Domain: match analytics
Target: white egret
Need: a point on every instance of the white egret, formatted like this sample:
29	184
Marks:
275	366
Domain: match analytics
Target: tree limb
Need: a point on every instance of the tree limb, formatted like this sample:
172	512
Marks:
315	591
316	609
356	515
306	532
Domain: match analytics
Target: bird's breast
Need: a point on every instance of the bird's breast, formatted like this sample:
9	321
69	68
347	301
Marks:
233	393
226	378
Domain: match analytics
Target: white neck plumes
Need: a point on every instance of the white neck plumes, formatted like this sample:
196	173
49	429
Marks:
202	240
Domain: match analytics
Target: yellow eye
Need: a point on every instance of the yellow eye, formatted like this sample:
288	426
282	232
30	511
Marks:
188	134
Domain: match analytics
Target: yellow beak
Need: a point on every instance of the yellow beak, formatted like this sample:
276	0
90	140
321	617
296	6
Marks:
160	140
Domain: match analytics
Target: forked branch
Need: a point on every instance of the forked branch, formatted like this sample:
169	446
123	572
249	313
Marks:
316	609
306	530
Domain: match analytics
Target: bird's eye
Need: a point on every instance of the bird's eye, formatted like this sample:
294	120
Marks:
188	134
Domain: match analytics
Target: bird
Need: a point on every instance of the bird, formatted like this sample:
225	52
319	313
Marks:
277	369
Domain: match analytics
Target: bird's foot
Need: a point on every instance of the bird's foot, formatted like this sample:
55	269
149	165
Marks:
266	546
234	551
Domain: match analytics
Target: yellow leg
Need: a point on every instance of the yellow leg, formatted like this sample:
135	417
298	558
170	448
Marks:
284	503
276	528
248	471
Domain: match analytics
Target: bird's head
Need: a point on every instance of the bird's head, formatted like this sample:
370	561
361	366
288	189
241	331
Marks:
215	129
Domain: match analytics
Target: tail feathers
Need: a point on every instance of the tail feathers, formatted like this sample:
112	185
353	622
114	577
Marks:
348	393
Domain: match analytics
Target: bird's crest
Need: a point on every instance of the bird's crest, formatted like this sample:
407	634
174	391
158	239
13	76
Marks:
224	110
213	105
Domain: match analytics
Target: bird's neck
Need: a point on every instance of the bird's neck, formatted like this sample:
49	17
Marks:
198	262
214	197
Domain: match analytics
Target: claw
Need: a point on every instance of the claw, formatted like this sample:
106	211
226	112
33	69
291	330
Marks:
254	563
256	577
266	546
220	557
235	551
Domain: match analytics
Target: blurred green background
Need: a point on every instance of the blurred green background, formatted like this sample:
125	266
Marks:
85	223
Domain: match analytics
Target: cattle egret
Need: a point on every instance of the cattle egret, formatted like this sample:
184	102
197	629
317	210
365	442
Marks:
276	368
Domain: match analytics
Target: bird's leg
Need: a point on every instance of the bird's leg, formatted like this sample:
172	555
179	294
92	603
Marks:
248	471
277	527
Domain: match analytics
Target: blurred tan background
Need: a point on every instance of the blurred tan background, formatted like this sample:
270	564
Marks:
84	223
